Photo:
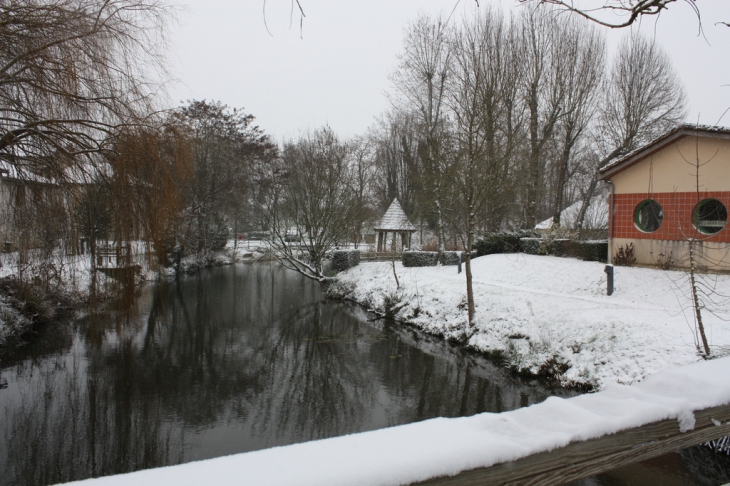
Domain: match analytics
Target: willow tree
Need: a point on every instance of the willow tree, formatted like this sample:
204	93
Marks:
73	73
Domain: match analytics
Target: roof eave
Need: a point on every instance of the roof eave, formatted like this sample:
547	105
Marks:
662	142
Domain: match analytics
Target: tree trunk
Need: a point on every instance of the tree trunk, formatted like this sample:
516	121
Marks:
467	266
586	203
695	298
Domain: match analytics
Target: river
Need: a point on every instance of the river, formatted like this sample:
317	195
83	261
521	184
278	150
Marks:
230	360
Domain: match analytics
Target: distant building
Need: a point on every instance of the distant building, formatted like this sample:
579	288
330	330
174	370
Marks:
675	189
595	220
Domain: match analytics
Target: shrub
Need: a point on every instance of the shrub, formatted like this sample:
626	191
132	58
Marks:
625	257
430	258
420	258
590	250
506	242
531	246
664	261
344	259
451	258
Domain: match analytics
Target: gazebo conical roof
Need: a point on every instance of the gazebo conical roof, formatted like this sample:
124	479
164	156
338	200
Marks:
395	219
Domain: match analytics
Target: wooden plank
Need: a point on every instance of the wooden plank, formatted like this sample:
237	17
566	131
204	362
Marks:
587	458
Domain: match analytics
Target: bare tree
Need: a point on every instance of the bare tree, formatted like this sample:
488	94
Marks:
395	141
311	202
364	172
543	92
583	51
643	99
629	11
421	80
480	98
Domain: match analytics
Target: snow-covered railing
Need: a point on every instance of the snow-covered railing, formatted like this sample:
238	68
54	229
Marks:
582	459
548	443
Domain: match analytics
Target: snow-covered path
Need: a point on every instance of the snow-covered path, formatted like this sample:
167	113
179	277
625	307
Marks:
547	313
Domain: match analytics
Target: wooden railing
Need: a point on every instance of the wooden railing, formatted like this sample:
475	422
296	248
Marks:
587	458
113	256
381	256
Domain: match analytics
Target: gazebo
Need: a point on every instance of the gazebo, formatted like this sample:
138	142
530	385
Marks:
394	221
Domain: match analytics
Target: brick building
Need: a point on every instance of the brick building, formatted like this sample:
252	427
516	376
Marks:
670	192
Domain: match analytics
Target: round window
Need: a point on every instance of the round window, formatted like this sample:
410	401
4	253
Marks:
710	216
648	215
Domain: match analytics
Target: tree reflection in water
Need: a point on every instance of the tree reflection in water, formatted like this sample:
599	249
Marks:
231	360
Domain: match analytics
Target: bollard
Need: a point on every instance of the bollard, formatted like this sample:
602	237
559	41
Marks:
459	264
609	279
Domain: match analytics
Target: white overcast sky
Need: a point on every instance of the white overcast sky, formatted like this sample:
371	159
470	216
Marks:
336	73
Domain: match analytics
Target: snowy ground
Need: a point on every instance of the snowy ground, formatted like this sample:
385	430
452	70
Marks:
543	313
439	447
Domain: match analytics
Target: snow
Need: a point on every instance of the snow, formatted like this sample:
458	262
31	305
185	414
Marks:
596	216
437	447
543	314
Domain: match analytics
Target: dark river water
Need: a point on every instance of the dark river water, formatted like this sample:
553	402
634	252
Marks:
231	360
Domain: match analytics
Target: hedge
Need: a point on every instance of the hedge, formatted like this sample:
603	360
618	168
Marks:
591	250
430	258
344	259
506	242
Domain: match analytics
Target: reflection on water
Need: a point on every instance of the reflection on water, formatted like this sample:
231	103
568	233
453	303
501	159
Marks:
232	360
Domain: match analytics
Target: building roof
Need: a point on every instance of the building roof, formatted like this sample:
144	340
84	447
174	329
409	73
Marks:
668	138
395	219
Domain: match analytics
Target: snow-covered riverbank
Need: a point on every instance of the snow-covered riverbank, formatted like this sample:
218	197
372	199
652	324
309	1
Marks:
68	278
548	315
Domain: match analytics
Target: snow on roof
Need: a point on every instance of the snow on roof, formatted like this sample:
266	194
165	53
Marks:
670	136
596	216
395	219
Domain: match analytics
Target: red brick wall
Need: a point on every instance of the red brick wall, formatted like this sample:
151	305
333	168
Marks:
678	210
